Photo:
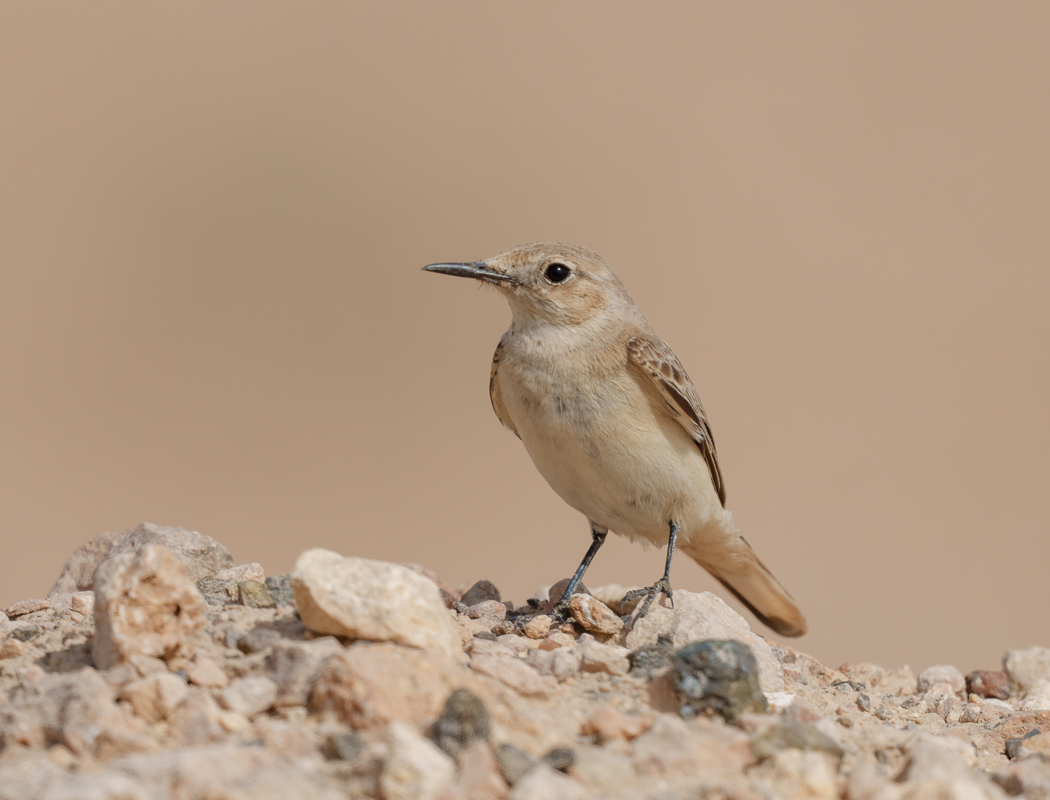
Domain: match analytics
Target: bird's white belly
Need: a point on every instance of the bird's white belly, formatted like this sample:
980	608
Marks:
608	455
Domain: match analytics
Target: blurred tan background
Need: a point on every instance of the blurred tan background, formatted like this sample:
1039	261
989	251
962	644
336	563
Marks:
212	315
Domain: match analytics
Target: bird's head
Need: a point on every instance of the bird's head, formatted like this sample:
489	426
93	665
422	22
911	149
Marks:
560	284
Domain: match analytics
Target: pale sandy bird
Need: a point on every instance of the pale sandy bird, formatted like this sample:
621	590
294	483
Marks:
612	421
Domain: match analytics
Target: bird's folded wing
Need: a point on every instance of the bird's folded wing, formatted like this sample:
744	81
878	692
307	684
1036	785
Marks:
661	366
495	395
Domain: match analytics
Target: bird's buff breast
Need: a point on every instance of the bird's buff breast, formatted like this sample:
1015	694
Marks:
595	438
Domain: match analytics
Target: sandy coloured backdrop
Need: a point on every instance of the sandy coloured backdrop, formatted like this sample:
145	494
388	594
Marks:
212	315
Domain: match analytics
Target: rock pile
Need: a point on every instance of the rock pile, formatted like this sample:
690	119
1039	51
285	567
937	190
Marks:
157	668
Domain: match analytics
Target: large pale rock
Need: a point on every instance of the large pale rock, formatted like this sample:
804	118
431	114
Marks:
1025	667
416	769
202	555
145	604
371	600
697	617
369	685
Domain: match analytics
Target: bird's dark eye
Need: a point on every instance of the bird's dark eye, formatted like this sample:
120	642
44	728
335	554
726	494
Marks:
557	273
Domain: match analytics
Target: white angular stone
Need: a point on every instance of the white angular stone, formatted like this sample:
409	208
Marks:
372	600
697	617
249	696
416	769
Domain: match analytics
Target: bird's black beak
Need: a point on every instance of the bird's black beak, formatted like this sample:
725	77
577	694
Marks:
478	270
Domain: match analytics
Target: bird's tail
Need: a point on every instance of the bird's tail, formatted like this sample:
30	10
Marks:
744	574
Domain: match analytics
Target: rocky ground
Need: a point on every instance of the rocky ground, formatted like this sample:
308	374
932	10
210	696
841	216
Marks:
157	668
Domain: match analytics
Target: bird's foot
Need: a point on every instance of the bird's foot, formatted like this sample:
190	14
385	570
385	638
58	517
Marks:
650	593
561	612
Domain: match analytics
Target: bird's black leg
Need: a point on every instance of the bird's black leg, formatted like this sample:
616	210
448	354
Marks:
663	585
560	612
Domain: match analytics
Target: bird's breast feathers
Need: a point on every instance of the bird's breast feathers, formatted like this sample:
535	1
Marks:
601	441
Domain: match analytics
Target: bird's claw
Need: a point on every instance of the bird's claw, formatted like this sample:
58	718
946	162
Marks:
560	613
650	593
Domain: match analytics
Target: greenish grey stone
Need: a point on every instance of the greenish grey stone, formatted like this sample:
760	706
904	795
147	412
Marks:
218	592
255	595
280	587
720	676
463	720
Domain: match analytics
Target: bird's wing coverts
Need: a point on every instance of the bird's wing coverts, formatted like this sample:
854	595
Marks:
660	365
495	395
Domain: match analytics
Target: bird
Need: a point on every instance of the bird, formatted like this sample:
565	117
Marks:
611	420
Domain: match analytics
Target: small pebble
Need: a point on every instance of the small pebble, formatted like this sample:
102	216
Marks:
514	763
594	616
487	608
463	721
538	627
23	607
255	594
280	587
560	758
346	746
479	593
988	683
218	592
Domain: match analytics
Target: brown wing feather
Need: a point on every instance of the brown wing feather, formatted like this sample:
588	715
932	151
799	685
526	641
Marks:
659	363
495	395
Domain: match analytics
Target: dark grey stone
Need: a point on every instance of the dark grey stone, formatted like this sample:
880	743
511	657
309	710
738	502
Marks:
718	675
